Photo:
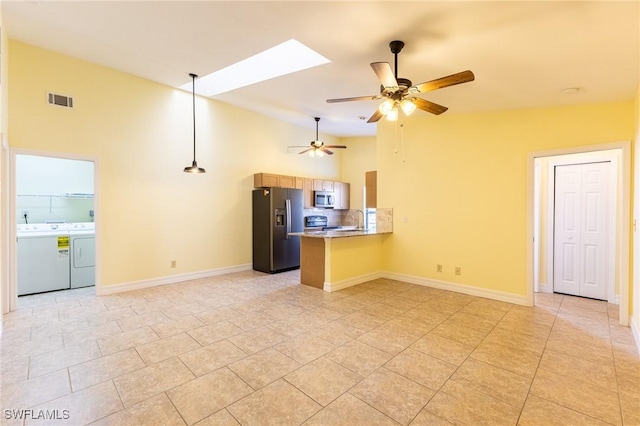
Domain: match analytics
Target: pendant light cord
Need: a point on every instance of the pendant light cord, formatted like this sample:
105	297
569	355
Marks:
193	77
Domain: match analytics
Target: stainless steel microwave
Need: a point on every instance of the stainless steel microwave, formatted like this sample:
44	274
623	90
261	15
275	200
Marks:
324	199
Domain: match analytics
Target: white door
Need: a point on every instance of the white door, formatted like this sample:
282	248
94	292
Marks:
580	233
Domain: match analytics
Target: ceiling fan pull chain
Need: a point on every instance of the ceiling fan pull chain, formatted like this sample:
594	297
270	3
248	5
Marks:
404	160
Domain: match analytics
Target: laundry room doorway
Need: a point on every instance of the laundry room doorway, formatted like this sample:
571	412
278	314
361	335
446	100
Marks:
578	223
52	206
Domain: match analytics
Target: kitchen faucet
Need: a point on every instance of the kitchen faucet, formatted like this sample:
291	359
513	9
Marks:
360	223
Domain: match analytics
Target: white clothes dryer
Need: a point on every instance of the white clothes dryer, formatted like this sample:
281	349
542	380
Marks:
83	254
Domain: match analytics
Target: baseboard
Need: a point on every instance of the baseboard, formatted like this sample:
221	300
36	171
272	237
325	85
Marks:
460	288
443	285
634	322
545	288
340	285
171	279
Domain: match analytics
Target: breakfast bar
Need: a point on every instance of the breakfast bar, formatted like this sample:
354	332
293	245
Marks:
335	259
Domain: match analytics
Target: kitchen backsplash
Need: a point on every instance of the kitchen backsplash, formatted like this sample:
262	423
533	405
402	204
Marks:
334	217
383	217
384	220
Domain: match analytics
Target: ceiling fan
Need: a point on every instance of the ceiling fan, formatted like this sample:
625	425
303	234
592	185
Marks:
317	147
400	92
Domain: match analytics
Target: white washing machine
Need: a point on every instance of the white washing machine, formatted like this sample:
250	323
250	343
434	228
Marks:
43	257
83	254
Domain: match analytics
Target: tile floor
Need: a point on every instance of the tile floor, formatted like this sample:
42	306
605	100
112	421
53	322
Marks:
256	349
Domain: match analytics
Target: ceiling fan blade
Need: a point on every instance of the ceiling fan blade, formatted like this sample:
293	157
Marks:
335	146
326	151
440	83
305	151
385	74
375	117
357	98
429	106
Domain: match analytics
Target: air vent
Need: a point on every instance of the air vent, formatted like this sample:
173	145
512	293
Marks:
60	100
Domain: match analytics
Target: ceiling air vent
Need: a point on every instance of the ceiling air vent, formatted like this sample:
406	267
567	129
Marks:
60	100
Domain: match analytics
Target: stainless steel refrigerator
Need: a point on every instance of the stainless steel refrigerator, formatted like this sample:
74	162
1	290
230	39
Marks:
276	213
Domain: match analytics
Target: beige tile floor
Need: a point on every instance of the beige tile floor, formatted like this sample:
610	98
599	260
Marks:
256	349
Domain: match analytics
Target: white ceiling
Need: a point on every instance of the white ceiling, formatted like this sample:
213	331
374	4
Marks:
523	54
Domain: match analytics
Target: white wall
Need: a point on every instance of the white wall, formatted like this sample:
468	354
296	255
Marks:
36	175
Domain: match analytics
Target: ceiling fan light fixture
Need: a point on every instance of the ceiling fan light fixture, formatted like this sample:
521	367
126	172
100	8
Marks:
194	165
408	107
317	148
393	114
386	106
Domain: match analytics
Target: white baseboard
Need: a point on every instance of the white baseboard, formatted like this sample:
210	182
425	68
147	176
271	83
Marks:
545	288
634	322
443	285
340	285
460	288
171	279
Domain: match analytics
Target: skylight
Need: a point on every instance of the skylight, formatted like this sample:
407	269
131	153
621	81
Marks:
285	58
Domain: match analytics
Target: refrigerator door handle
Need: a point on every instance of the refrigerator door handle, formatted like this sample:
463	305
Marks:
287	207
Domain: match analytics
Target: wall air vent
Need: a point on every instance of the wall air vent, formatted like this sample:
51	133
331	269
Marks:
60	100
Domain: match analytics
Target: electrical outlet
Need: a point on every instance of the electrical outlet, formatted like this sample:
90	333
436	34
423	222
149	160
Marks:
439	268
458	270
173	263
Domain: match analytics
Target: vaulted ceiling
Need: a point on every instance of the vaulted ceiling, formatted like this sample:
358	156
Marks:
523	54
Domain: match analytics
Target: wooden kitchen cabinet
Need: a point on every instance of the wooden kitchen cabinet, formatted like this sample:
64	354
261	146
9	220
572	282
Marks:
307	193
342	193
265	180
371	185
287	182
308	185
322	185
268	180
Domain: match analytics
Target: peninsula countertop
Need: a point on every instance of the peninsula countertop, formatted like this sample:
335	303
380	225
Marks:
338	233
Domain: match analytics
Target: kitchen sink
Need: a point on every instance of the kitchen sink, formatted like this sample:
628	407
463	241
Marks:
349	229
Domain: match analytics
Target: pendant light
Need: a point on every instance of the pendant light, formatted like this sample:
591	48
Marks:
193	168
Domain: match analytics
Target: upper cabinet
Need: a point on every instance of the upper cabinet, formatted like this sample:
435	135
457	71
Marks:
371	185
322	185
307	193
268	180
342	192
308	186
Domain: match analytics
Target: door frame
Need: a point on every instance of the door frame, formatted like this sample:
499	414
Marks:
623	217
610	156
10	290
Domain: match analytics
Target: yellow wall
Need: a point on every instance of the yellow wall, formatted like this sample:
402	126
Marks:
358	158
140	132
460	182
353	257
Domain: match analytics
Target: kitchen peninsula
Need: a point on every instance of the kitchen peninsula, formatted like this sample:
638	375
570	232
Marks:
336	259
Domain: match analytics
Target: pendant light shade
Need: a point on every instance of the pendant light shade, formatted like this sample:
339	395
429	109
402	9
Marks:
194	165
